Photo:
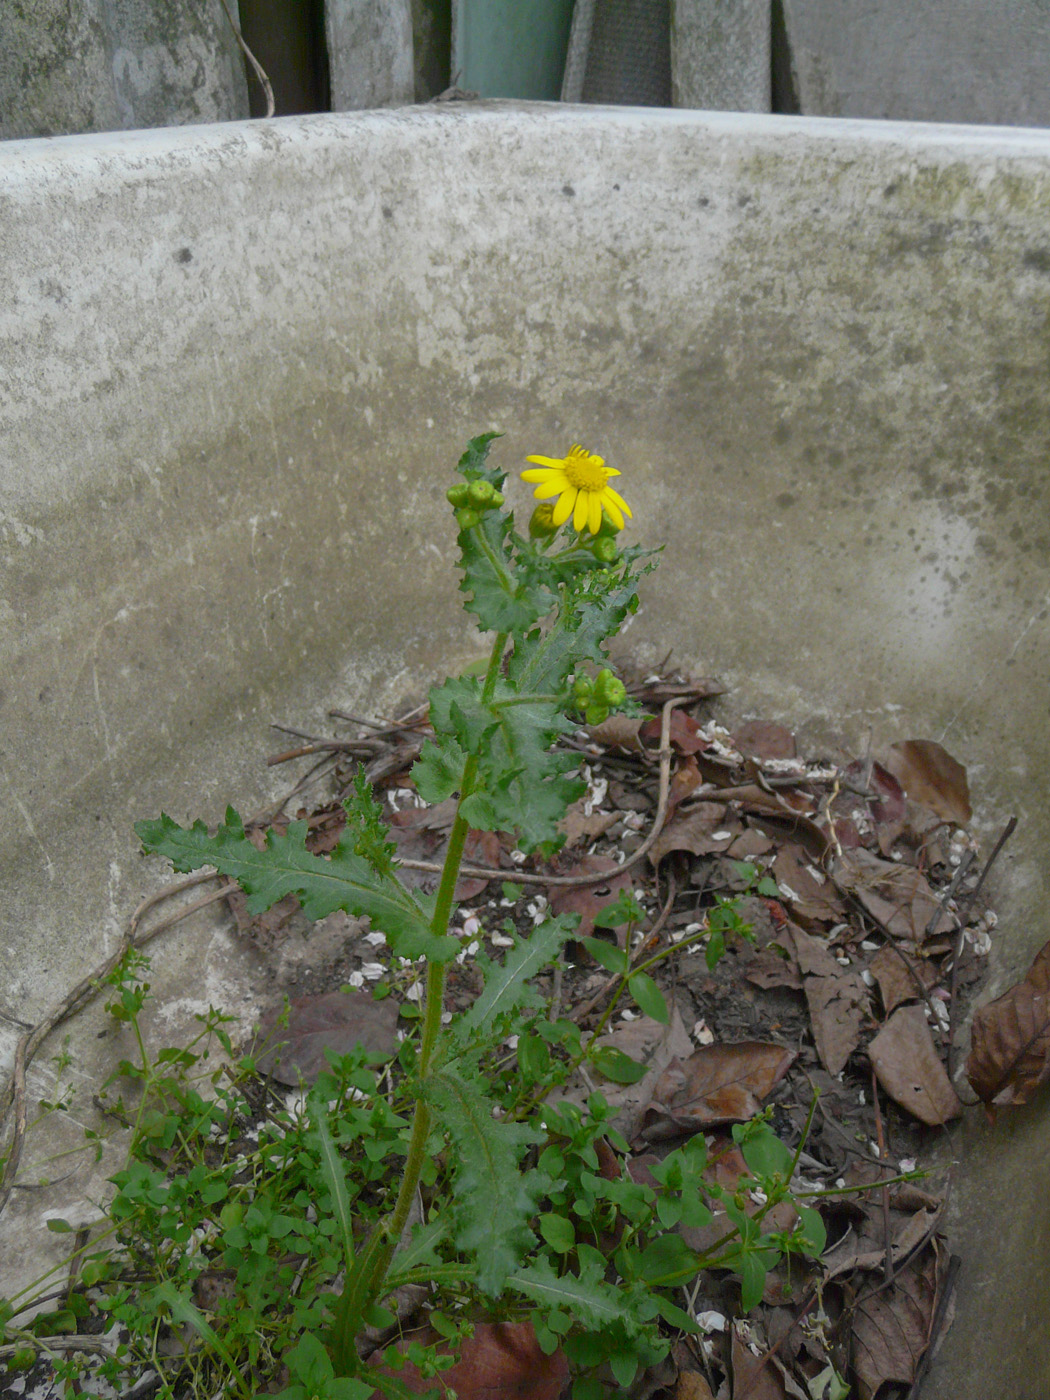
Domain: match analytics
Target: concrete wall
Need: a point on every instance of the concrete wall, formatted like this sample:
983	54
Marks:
104	65
241	360
922	60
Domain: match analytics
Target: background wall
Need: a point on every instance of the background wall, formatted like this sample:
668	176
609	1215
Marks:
242	359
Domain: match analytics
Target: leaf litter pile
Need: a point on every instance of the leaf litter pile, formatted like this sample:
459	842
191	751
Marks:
859	929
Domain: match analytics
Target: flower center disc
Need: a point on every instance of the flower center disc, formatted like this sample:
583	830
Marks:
585	472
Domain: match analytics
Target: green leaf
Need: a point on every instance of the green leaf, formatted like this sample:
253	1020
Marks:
58	1226
182	1310
625	909
334	1176
814	1231
366	827
323	884
765	1154
608	954
649	997
421	1247
559	1233
438	771
667	1261
752	1281
617	1066
493	1200
587	1297
507	985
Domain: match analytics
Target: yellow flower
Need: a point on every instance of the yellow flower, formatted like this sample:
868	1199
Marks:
581	483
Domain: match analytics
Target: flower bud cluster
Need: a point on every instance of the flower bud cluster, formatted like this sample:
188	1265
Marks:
594	698
471	500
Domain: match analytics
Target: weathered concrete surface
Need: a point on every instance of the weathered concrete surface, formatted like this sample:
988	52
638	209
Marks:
370	60
720	54
922	60
241	360
102	65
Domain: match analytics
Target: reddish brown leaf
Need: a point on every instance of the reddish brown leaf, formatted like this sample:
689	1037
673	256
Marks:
587	900
692	1386
684	782
910	1070
1010	1048
501	1361
684	732
716	1084
336	1021
762	739
929	774
620	732
891	1328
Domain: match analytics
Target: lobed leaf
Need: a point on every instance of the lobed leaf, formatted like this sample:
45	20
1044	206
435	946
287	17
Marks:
343	880
507	985
493	1201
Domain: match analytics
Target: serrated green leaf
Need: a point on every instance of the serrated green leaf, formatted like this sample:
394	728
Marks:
649	997
587	1298
438	771
366	828
343	880
493	1201
507	985
421	1247
334	1176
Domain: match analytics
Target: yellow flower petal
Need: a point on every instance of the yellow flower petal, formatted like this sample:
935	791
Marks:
614	511
558	462
610	494
581	510
563	508
594	517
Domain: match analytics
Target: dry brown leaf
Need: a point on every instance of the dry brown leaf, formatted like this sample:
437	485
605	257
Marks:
896	896
763	739
501	1361
891	1328
1010	1046
910	1070
694	831
836	996
335	1021
692	1386
580	826
753	1377
620	732
928	774
716	1084
813	898
896	983
588	900
685	732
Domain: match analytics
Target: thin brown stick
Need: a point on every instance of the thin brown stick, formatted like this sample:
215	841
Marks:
887	1265
88	987
260	73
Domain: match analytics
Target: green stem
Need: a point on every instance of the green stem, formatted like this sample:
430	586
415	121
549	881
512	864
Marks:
364	1284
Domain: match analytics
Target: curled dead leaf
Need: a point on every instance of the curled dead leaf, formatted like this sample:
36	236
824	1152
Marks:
716	1084
1010	1047
930	775
501	1361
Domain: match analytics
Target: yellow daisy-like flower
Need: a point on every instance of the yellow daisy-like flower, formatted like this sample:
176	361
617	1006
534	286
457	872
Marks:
581	483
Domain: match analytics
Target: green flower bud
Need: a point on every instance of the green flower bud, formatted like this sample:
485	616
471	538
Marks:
582	690
604	549
481	494
468	518
22	1358
596	714
542	525
497	498
458	495
609	690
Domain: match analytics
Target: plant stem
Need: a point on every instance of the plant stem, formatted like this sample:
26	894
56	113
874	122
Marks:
363	1285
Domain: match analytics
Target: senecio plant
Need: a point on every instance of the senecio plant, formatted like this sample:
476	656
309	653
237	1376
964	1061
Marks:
509	1205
